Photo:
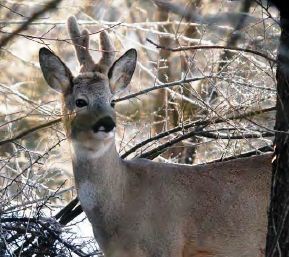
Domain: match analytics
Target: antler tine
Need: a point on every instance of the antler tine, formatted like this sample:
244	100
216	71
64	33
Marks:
108	54
81	44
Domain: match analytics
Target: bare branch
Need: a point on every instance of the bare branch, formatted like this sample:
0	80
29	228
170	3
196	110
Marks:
206	47
258	151
29	131
162	85
51	5
195	124
215	19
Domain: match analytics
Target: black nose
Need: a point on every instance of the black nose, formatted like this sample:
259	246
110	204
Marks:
105	124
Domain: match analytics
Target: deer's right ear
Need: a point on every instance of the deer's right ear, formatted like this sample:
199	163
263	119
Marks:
55	72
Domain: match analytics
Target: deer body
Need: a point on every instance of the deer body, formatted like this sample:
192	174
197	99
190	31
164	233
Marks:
145	208
140	208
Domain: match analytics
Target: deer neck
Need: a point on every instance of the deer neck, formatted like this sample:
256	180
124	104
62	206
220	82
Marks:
99	176
98	165
100	180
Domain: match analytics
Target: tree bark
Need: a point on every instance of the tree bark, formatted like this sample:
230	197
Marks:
278	220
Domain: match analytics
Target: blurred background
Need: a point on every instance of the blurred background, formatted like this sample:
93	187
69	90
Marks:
204	90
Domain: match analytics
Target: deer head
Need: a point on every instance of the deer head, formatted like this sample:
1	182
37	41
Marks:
88	111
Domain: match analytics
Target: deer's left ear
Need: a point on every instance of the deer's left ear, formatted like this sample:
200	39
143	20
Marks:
121	71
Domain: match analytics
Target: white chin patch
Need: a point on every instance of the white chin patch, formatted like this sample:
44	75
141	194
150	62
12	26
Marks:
93	144
102	135
93	148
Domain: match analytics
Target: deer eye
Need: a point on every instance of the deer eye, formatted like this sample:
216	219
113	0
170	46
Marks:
112	104
80	103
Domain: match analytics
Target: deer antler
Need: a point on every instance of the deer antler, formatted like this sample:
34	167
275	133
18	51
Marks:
108	53
81	44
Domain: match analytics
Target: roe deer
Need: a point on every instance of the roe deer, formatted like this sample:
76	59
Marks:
140	208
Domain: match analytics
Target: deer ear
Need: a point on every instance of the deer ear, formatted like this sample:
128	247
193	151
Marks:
55	72
121	71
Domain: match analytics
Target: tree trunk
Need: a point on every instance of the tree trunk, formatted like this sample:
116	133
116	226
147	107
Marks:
161	119
278	219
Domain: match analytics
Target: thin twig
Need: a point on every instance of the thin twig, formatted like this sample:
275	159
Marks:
206	47
66	40
195	124
209	134
258	151
163	147
51	5
29	131
162	85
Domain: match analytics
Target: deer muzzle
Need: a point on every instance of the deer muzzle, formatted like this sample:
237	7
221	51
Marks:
90	122
105	124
